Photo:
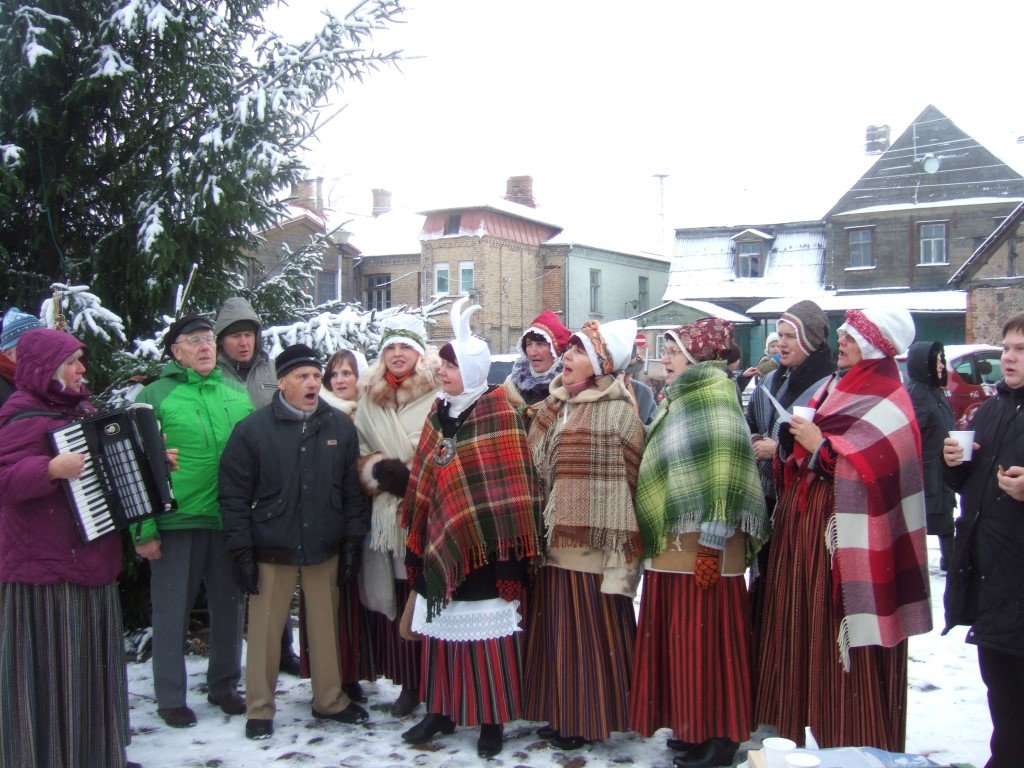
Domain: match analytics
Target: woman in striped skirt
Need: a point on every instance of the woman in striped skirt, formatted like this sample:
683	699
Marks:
702	519
473	515
586	441
63	688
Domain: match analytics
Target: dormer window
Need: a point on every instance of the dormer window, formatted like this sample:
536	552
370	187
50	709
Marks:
451	223
749	259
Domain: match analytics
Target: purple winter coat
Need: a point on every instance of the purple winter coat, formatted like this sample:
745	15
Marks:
39	543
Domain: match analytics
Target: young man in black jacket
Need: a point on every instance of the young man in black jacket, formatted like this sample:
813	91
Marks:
985	582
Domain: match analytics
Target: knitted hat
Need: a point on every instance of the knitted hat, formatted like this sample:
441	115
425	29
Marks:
16	323
810	323
550	327
709	338
880	331
295	356
770	339
183	325
472	353
609	346
403	329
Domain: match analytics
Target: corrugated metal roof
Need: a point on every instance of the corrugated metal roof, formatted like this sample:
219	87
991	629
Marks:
912	301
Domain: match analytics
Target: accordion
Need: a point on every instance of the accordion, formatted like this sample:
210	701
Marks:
125	479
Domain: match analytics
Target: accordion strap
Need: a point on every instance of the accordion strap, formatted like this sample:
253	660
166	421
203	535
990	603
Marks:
36	414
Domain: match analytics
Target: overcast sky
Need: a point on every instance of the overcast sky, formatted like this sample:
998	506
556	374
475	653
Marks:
755	110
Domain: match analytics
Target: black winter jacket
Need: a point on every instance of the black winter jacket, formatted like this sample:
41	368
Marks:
289	487
990	531
934	419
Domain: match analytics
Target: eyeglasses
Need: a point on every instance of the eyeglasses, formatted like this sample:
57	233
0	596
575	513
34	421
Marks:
666	352
195	341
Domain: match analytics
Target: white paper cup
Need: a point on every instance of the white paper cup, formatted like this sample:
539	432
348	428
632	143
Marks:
804	412
775	750
801	760
966	440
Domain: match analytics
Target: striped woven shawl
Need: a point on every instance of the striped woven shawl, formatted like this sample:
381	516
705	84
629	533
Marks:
698	464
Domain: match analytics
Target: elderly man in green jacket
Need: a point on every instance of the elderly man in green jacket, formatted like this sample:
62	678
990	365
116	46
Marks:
197	409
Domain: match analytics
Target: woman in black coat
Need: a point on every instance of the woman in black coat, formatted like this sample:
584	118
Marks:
926	370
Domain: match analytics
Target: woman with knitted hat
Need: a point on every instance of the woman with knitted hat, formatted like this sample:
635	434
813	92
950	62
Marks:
586	441
702	519
396	395
473	514
847	579
542	345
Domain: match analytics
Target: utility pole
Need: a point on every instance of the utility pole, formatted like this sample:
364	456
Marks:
661	210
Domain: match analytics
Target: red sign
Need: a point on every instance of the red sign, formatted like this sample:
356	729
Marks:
640	341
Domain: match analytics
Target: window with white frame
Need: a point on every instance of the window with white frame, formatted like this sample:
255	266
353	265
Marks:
442	283
862	248
595	290
932	236
466	283
748	259
643	294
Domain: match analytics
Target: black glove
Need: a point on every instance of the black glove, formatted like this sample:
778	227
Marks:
349	561
392	476
246	573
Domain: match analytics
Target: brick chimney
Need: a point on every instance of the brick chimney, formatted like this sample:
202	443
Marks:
381	202
519	189
309	193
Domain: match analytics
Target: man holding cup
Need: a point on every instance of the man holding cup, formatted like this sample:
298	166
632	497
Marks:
983	587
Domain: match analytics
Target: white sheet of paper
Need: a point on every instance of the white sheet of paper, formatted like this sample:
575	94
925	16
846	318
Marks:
784	415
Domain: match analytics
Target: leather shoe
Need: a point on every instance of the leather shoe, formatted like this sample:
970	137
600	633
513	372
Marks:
426	728
178	717
709	753
259	729
678	745
355	692
489	743
406	702
568	742
291	665
230	703
132	764
353	714
547	732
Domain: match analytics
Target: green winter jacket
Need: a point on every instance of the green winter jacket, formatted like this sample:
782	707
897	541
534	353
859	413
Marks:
196	416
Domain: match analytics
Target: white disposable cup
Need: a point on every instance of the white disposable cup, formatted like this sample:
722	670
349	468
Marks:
804	412
966	440
775	750
801	760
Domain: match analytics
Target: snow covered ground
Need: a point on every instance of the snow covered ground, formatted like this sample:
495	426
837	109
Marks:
948	721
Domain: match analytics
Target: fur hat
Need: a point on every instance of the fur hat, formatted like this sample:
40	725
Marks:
880	331
709	338
770	339
403	329
609	346
810	322
472	354
550	327
16	323
183	325
296	356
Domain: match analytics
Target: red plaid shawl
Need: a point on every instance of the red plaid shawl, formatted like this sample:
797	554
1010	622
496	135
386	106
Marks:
486	502
876	532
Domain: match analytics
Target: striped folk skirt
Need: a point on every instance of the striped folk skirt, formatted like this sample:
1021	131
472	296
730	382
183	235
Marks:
63	681
473	682
579	655
394	657
693	656
801	680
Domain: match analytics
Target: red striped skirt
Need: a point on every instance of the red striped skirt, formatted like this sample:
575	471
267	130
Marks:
395	658
579	655
800	677
692	671
473	682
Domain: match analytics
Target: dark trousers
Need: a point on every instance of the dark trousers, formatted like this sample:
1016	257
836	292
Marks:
1003	674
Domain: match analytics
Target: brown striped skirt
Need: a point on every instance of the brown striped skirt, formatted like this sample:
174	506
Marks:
394	658
62	677
801	681
692	671
579	655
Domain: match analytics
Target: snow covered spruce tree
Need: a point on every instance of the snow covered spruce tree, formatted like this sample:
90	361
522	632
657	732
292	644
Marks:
138	138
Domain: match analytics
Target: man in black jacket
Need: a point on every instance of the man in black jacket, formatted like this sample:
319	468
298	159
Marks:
291	503
985	583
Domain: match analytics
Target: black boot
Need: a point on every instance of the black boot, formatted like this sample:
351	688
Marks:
426	728
678	745
489	743
547	732
945	552
406	702
708	754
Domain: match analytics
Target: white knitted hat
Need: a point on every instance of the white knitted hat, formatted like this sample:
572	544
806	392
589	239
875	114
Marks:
403	329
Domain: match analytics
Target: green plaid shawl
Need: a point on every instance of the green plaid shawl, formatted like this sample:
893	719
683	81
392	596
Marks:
698	464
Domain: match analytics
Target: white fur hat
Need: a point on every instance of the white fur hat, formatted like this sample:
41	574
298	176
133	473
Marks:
406	329
609	346
880	331
473	354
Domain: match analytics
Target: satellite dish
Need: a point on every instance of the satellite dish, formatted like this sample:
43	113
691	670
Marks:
930	163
